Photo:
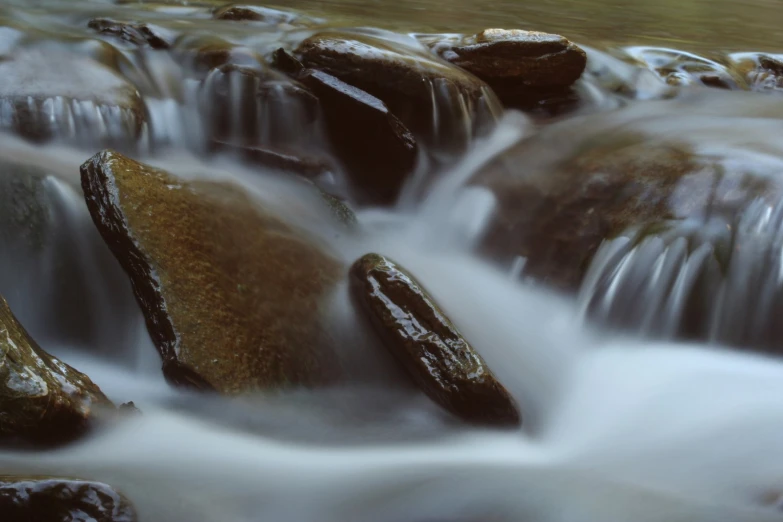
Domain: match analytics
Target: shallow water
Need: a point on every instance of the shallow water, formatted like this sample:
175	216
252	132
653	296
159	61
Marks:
617	427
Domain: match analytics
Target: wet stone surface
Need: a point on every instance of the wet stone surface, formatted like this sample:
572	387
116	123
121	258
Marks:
136	33
762	71
42	400
34	499
682	69
231	293
437	358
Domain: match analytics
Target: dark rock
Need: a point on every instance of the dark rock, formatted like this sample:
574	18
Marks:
138	33
438	359
129	408
230	292
286	62
378	150
415	85
296	162
61	500
255	13
201	54
50	93
682	68
42	399
555	204
526	58
761	71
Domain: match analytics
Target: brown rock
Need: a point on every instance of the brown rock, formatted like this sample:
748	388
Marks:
405	78
42	399
138	33
61	500
377	149
682	68
529	58
256	13
295	162
231	293
761	71
47	93
438	359
555	208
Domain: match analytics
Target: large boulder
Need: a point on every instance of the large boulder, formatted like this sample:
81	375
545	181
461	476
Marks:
61	500
42	399
231	293
435	355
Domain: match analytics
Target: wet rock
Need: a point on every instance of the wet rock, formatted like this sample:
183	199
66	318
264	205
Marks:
761	71
49	93
377	149
528	58
230	292
129	408
296	162
256	13
682	68
201	54
438	359
137	33
25	499
406	78
42	400
286	62
257	107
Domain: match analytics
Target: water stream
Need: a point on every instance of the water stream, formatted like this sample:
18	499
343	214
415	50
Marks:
629	416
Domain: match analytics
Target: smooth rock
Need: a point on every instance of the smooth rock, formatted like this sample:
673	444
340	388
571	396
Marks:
528	58
50	93
375	146
25	499
200	54
682	68
438	359
296	162
141	34
559	195
256	13
42	399
430	96
231	293
762	71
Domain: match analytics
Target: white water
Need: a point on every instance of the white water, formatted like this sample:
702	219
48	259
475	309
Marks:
615	429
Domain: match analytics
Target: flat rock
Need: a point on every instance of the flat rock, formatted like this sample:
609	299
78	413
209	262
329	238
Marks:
25	499
141	34
529	58
49	93
438	359
376	147
230	292
42	399
257	13
682	68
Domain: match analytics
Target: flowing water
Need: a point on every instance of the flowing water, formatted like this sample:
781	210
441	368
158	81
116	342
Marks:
621	424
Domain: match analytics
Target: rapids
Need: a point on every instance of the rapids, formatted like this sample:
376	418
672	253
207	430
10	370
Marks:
617	428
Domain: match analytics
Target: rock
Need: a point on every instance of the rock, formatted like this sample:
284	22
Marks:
231	293
256	13
377	149
761	71
438	359
25	499
201	54
141	34
296	162
526	58
49	93
42	399
257	107
682	68
286	62
406	78
129	408
560	194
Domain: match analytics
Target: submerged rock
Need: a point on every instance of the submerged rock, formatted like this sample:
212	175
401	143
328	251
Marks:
377	149
683	68
230	292
438	359
42	399
761	71
257	13
427	94
25	499
49	93
296	162
138	33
